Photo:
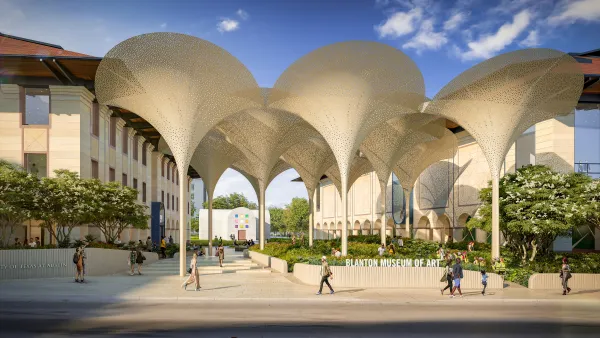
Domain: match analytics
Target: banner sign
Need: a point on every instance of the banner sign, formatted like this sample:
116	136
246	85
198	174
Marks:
395	263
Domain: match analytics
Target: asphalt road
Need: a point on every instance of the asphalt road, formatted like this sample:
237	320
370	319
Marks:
319	318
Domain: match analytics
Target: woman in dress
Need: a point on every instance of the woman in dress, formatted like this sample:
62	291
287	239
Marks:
221	255
194	274
79	266
565	275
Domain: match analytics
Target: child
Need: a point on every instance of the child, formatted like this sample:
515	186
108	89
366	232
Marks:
484	277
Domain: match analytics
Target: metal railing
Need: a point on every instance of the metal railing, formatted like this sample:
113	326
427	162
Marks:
590	169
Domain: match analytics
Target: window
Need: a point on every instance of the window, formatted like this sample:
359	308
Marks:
173	178
36	164
111	175
177	179
168	200
135	148
162	168
113	132
95	173
173	202
124	180
135	183
177	204
168	171
144	192
144	147
125	141
37	106
188	208
95	119
162	197
319	197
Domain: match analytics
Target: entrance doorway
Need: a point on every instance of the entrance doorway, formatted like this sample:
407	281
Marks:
242	235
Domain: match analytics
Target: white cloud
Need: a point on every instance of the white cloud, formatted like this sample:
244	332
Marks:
242	14
488	45
532	40
455	21
426	38
584	10
228	25
400	23
163	25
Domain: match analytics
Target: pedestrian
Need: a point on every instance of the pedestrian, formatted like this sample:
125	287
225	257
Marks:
381	249
38	243
140	245
484	278
17	243
83	258
221	255
338	253
139	259
441	253
220	241
170	239
325	275
78	261
565	275
447	276
163	247
392	249
149	244
457	274
32	243
471	246
400	242
131	260
194	274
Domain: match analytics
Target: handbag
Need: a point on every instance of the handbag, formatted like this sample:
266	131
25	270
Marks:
443	279
189	270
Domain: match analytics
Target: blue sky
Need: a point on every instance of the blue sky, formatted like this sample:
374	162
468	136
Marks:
443	37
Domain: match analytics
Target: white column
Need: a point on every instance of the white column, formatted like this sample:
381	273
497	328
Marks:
383	222
210	224
495	215
407	218
182	221
311	226
261	217
344	216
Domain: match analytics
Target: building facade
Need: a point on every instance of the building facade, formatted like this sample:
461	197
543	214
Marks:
239	222
53	122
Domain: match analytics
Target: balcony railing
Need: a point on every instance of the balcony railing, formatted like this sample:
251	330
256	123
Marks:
590	169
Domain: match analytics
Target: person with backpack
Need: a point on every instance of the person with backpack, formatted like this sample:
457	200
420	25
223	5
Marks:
131	260
78	261
325	275
139	260
447	277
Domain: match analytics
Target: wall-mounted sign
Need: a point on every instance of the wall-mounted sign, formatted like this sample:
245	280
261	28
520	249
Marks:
395	263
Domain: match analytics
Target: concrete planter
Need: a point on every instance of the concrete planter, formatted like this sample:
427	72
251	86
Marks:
552	281
50	263
391	277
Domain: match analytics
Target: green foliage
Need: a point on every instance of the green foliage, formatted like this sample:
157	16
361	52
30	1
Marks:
277	223
296	215
204	242
232	201
17	193
195	222
537	205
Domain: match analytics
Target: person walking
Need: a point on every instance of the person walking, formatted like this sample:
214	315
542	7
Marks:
139	259
325	275
484	278
149	244
170	239
78	261
565	275
381	249
132	259
221	255
448	276
194	274
163	247
400	242
457	274
441	253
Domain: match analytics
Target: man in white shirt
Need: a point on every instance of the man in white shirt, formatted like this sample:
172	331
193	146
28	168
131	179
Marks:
32	243
400	241
338	253
381	249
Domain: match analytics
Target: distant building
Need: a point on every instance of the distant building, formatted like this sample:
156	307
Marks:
241	222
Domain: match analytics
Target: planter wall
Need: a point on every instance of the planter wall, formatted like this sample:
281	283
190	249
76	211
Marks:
261	259
391	277
49	263
552	281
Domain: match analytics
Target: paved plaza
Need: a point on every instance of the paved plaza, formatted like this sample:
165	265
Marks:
244	300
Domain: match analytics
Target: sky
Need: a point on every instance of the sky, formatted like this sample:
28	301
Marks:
444	38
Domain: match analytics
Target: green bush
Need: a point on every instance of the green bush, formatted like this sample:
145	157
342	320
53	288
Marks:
204	242
280	240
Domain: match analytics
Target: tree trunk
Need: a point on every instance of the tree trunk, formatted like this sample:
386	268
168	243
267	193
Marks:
534	250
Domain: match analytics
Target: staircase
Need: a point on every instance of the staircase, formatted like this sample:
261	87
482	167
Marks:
233	263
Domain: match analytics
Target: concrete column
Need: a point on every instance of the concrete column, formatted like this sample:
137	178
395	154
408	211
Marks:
383	221
407	218
344	216
261	217
311	226
182	218
210	223
495	215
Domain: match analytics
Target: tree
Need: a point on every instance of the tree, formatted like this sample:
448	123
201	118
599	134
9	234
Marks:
587	210
536	206
232	201
17	194
296	215
116	208
194	223
277	224
62	203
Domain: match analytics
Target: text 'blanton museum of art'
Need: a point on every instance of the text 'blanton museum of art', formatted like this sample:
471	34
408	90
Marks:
400	263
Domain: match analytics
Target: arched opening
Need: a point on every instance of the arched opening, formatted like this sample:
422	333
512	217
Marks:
423	230
462	233
317	234
356	229
377	227
389	228
366	227
443	229
338	230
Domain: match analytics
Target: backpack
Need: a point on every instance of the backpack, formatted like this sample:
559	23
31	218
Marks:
75	258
